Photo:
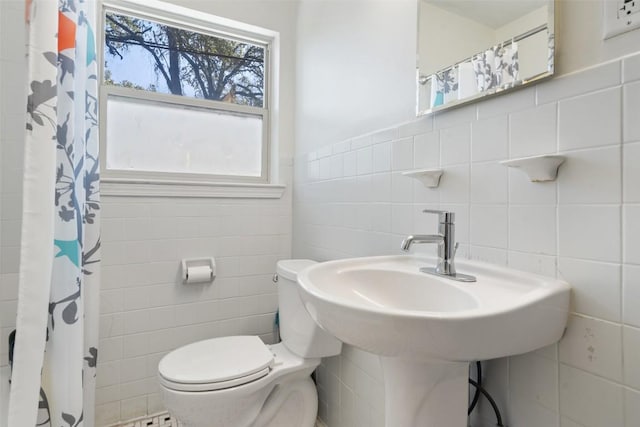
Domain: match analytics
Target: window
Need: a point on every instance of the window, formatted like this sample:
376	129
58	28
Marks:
185	97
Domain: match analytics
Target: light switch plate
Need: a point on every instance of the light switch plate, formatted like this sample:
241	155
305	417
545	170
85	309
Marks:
620	16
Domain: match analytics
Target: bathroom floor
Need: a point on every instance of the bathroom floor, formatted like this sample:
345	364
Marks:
165	420
158	420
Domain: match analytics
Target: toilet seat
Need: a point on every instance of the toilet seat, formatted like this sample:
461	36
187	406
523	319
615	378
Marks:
216	364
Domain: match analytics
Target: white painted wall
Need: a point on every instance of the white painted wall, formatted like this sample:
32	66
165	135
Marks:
355	67
579	26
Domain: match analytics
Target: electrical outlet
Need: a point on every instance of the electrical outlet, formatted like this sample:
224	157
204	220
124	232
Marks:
629	7
620	16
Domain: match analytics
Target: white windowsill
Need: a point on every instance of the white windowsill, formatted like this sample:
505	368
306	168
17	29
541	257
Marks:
159	188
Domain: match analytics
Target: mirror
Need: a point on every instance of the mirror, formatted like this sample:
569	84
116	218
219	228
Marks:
469	49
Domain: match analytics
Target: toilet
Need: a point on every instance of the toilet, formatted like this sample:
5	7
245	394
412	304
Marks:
241	382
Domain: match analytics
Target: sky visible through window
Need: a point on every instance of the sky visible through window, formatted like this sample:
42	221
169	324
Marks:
150	56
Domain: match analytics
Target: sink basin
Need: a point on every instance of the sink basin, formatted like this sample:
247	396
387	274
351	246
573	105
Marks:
396	291
427	328
385	305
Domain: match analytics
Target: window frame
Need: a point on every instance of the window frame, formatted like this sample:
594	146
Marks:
158	183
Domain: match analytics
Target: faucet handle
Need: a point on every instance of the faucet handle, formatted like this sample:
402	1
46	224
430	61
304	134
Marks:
444	217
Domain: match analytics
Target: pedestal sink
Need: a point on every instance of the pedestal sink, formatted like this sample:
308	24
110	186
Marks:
427	328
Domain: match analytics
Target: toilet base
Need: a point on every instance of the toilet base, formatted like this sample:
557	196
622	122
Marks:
286	397
228	410
291	404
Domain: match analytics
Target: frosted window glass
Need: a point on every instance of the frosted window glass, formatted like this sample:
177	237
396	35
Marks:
161	137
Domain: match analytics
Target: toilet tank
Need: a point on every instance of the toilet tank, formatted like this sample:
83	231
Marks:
298	331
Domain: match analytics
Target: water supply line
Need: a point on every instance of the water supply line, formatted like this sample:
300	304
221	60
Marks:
480	390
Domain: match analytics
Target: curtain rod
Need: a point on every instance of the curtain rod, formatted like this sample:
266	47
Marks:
517	38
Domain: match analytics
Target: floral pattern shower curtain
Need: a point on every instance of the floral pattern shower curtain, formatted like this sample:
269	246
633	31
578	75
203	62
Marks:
53	381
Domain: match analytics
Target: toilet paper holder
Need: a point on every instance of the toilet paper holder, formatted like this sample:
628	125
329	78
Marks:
193	269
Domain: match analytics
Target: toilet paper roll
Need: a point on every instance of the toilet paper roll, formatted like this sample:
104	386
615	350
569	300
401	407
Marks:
199	274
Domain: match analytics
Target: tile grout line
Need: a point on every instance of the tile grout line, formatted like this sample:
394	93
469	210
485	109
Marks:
621	217
557	259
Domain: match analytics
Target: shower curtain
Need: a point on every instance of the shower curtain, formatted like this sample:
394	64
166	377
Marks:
53	379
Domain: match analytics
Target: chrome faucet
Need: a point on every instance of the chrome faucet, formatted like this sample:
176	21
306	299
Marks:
447	247
420	238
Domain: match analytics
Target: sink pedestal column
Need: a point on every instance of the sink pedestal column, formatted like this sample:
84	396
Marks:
425	393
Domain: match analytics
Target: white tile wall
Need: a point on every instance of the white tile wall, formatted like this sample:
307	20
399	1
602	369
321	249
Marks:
533	131
426	150
3	291
631	295
533	229
533	377
591	176
402	154
631	337
584	228
533	386
581	82
590	401
589	232
597	287
490	139
631	233
590	121
631	106
594	346
145	309
631	158
12	105
631	69
489	183
518	101
632	408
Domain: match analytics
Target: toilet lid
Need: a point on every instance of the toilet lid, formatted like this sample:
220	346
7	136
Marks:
216	363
